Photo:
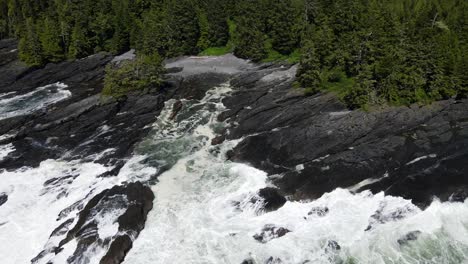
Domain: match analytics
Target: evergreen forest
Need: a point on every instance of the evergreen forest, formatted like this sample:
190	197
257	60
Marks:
368	52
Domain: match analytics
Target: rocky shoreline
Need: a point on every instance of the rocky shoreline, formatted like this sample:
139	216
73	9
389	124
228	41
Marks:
309	145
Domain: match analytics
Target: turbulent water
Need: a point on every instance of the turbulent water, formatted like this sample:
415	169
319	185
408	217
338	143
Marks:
206	209
41	97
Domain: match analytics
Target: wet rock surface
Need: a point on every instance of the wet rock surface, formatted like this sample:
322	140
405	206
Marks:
272	200
86	126
273	260
86	123
314	144
384	215
270	232
318	211
333	246
3	198
308	144
411	236
135	200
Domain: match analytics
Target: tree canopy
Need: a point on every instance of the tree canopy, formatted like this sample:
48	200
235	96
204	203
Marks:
367	51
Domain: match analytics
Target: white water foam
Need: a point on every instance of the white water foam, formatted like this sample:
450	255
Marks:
203	213
29	216
205	209
32	101
5	150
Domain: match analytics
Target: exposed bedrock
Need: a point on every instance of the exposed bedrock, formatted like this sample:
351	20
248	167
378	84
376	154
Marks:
312	144
87	126
134	200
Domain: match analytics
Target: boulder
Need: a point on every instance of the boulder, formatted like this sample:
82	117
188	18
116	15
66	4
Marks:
411	236
270	232
271	198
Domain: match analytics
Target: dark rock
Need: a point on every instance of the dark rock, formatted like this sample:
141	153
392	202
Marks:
417	152
135	199
411	236
332	246
270	232
273	260
118	250
319	211
62	229
272	199
230	154
459	196
218	140
383	215
175	109
174	69
248	261
3	198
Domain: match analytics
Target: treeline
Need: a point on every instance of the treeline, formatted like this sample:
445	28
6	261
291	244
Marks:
53	30
378	51
367	51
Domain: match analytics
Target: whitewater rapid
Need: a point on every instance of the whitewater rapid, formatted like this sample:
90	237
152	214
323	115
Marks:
41	97
206	209
203	210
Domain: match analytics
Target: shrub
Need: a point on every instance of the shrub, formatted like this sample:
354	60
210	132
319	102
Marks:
142	74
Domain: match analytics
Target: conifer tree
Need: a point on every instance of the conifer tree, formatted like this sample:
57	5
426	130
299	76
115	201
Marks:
282	26
79	43
49	36
30	45
250	40
217	18
183	26
204	39
120	41
308	74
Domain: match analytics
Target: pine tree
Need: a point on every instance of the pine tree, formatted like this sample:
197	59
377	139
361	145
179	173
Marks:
204	39
120	41
183	27
308	74
49	36
154	33
282	26
79	43
250	40
30	50
217	18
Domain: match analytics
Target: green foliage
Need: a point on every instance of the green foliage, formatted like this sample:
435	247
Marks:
400	51
215	51
274	56
204	39
249	38
49	36
142	74
281	23
309	72
184	30
30	46
80	45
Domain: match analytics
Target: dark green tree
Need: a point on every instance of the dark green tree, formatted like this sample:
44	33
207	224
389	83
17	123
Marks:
282	25
250	40
30	48
183	27
49	35
80	45
308	74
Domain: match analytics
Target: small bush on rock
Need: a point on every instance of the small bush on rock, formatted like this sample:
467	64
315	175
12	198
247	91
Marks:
142	74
